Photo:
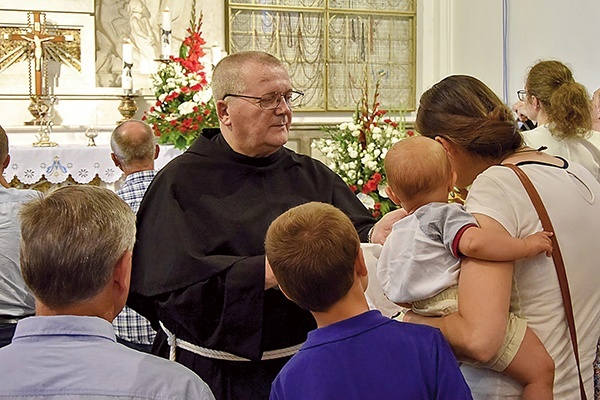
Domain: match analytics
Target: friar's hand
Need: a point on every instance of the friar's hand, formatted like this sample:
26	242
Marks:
383	227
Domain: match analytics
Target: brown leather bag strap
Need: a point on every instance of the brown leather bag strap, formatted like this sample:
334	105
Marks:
558	263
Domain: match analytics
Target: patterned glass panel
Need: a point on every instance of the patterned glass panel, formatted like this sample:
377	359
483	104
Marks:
330	51
367	47
374	5
295	38
286	3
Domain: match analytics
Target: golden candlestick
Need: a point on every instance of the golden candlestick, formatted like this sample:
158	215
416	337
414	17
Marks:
127	108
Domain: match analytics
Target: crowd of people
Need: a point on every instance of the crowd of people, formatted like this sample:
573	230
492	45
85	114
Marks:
247	278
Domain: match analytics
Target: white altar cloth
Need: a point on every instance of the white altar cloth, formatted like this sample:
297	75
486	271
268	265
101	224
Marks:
28	164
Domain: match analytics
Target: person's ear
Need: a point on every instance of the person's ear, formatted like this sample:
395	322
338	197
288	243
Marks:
446	144
156	151
452	181
122	272
116	161
223	112
360	268
284	293
6	162
390	193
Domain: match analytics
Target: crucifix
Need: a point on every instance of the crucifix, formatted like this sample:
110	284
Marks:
38	38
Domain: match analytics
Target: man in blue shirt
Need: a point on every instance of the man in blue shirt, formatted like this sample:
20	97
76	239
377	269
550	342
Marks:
134	150
76	258
314	252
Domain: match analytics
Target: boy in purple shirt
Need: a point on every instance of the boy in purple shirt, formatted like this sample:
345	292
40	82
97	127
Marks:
315	255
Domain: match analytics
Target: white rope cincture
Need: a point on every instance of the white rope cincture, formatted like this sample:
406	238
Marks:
174	342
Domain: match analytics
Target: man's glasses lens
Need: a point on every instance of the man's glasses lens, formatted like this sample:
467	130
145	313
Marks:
271	100
522	94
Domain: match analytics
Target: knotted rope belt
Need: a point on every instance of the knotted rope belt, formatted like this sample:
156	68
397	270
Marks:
175	342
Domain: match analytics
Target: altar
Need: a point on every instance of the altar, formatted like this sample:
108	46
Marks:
30	166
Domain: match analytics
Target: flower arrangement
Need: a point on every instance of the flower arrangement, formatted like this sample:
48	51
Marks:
356	150
184	101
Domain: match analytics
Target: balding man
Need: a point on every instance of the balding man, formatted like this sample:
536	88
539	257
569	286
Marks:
134	150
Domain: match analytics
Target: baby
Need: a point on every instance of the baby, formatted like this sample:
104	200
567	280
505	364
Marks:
420	261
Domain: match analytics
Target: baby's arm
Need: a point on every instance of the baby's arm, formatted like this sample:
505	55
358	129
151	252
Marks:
485	244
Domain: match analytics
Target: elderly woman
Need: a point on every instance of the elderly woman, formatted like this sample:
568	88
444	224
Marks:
478	132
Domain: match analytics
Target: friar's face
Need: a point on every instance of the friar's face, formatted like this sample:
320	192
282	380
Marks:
248	128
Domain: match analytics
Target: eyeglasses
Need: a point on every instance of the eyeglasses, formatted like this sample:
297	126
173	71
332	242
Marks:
270	101
522	94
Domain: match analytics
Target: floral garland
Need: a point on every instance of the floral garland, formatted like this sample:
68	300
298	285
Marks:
184	103
356	150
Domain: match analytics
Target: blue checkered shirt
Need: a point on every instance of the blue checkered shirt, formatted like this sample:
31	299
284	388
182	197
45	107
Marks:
130	325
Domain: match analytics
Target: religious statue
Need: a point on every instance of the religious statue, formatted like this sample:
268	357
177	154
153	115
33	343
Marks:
38	50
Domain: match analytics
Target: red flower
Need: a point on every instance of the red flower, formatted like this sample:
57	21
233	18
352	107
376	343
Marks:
353	188
377	178
369	187
183	130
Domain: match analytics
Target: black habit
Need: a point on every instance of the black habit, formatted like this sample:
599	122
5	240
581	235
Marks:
199	265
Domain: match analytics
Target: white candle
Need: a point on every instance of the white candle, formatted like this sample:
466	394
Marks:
166	19
127	52
126	77
166	34
215	54
127	81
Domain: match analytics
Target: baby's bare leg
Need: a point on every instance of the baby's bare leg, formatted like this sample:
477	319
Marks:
533	367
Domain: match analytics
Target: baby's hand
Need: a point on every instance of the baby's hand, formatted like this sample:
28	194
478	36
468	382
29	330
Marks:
539	242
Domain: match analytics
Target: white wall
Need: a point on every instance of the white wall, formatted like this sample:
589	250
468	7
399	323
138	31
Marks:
537	29
568	31
453	37
476	34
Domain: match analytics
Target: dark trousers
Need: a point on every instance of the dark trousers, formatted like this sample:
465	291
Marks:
7	332
146	348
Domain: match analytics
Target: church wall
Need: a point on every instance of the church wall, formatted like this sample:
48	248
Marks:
453	36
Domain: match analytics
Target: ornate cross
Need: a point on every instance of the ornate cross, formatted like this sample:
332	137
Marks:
38	38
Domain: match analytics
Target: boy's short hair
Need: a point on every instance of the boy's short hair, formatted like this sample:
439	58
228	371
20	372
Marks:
416	166
312	249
